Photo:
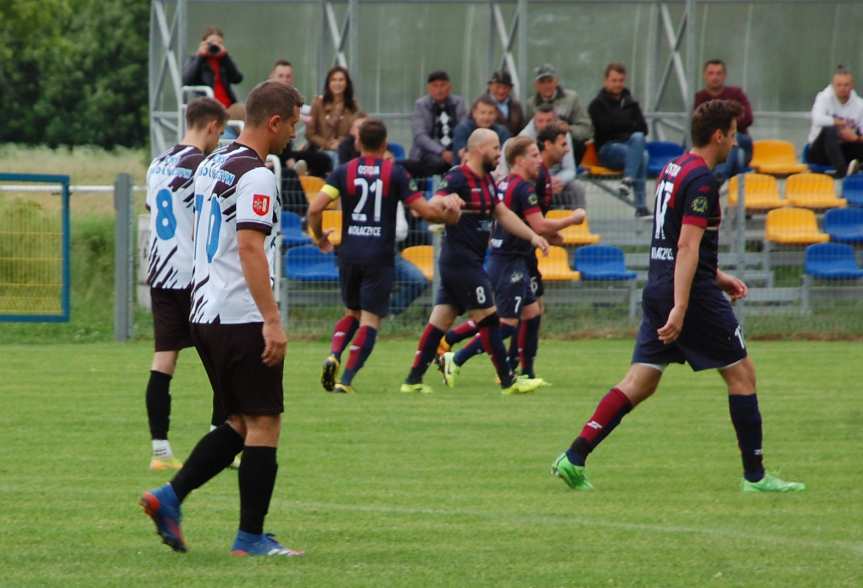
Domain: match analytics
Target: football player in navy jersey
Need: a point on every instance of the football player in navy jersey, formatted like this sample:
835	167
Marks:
687	317
465	286
370	188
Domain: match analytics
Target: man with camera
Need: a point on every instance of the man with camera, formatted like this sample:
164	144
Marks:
212	66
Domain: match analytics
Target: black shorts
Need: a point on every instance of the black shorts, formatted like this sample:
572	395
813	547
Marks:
366	287
537	288
171	310
512	287
711	337
465	287
242	384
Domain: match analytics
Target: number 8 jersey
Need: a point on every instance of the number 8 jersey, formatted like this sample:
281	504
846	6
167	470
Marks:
234	191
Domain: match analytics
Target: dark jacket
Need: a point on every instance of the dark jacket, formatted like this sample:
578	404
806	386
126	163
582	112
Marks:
613	119
744	121
197	72
516	121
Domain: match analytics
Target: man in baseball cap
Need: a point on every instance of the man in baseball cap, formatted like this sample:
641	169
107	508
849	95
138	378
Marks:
566	104
510	112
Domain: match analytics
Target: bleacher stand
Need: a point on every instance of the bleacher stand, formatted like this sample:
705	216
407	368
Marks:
852	190
776	158
844	225
815	191
659	153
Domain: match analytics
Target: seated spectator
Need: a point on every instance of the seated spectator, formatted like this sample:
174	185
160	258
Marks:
836	136
715	89
333	112
235	122
434	119
566	104
483	115
619	132
283	71
510	113
212	66
349	148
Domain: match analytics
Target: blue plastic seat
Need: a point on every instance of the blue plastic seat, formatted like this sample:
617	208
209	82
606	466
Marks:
832	261
397	150
815	167
602	263
310	264
292	230
844	224
659	154
852	189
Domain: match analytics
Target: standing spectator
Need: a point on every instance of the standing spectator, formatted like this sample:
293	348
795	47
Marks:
566	104
483	115
836	136
283	71
333	113
212	66
510	113
434	119
715	89
620	130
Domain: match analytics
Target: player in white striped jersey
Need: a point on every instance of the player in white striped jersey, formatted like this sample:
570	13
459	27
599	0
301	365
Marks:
236	325
170	200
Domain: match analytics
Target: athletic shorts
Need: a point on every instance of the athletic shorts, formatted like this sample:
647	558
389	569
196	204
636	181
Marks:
711	337
366	287
512	288
464	287
536	286
171	309
241	383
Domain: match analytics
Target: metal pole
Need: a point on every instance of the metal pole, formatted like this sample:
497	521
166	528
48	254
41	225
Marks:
740	225
353	36
523	68
124	258
691	66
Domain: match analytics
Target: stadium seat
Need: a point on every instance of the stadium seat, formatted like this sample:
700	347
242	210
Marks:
311	187
762	192
816	191
574	234
852	189
332	219
555	267
815	167
421	256
844	225
292	230
775	158
310	264
793	226
590	162
397	150
602	263
660	153
831	261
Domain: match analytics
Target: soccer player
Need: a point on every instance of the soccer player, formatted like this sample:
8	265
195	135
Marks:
512	265
236	325
686	316
371	189
170	202
465	286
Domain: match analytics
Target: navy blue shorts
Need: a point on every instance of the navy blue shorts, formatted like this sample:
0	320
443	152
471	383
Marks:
536	286
464	286
366	287
512	288
711	337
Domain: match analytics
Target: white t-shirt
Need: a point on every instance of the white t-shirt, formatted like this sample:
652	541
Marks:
827	106
170	200
234	191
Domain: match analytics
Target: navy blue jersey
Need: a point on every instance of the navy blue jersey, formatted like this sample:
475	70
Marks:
519	196
468	239
544	190
686	193
370	190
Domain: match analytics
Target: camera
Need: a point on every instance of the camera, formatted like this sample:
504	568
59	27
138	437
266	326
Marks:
213	49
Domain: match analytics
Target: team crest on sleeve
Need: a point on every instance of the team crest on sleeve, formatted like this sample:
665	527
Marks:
699	204
261	204
533	200
412	185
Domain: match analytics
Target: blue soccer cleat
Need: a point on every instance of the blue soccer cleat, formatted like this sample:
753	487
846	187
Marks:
248	544
163	507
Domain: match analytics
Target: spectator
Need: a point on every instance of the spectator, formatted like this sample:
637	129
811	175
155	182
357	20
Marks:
483	115
434	119
236	120
620	132
283	71
349	148
212	66
510	113
715	89
333	113
836	136
566	104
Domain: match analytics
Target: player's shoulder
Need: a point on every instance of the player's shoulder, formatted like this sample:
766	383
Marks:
454	178
190	157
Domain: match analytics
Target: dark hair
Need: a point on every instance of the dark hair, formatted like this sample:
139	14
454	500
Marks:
201	111
271	98
615	66
437	75
712	116
212	30
349	88
545	108
484	99
282	62
373	134
841	70
516	147
550	133
714	62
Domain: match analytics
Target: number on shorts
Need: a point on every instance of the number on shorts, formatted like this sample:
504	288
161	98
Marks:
480	294
166	222
534	285
517	304
738	332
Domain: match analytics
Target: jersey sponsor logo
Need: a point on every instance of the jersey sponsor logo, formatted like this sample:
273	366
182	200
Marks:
661	253
496	243
261	204
516	277
699	204
364	231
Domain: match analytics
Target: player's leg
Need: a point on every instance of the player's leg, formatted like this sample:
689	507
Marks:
456	335
364	342
528	337
350	283
158	400
442	317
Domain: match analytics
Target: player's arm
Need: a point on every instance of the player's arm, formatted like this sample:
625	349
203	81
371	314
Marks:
256	270
684	271
548	227
514	225
315	215
734	287
440	209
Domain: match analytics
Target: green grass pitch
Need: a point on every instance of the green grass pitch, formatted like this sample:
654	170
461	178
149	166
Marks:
451	489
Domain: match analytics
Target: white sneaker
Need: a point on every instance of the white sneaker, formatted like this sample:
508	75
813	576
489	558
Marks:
853	167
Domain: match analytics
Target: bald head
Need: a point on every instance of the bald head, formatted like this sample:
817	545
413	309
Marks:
480	137
483	150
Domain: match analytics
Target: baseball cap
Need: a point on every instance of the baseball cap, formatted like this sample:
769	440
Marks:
437	75
501	77
545	70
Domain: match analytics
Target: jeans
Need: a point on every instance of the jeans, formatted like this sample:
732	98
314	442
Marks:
409	284
731	166
632	157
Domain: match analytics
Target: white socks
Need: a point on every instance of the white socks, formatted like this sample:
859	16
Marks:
162	448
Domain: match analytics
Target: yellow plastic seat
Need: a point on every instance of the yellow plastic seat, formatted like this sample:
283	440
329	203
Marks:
762	192
793	226
812	191
555	267
590	161
574	234
775	158
332	219
311	188
421	256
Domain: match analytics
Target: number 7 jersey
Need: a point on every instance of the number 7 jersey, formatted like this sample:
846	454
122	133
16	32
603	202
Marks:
234	191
